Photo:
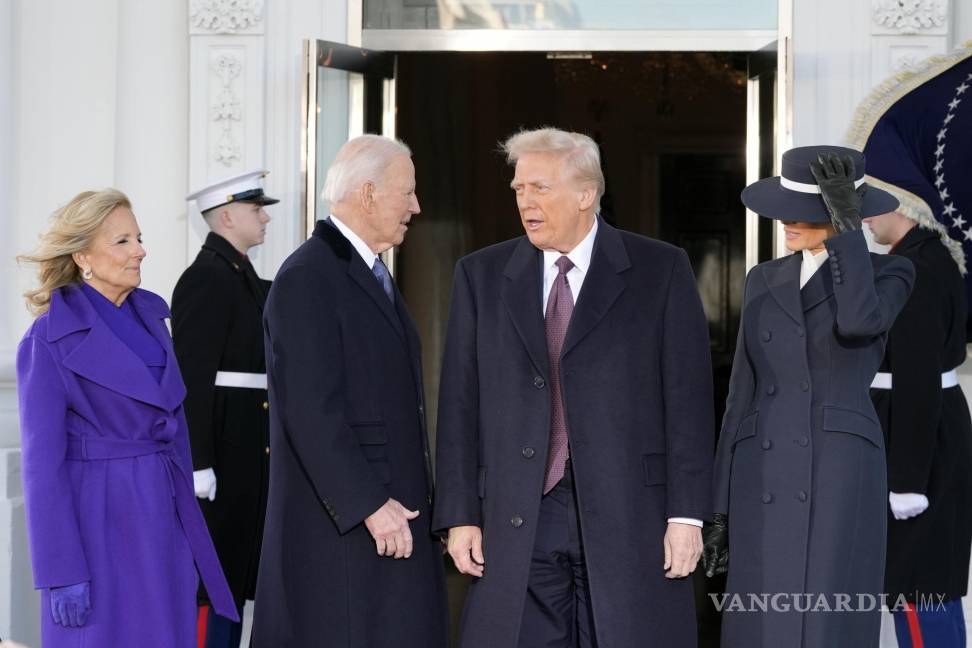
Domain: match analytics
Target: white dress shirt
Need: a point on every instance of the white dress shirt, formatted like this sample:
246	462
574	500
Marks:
811	263
366	252
580	256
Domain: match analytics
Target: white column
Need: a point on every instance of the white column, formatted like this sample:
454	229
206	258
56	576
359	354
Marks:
227	96
151	132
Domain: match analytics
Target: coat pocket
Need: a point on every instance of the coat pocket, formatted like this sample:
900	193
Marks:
481	481
747	428
373	439
838	419
655	468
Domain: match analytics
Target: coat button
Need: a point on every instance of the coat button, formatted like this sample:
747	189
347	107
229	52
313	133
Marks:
767	444
805	386
799	331
421	409
538	382
802	496
516	521
266	406
267	450
767	498
771	389
767	336
803	441
528	452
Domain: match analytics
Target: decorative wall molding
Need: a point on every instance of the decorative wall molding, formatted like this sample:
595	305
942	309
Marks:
226	16
910	16
226	109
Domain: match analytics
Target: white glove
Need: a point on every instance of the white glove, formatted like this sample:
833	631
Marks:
204	483
907	505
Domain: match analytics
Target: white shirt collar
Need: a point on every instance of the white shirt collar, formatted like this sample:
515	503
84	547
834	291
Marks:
811	263
367	254
580	256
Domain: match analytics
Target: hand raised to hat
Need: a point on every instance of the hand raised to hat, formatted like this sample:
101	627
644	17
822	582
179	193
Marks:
835	176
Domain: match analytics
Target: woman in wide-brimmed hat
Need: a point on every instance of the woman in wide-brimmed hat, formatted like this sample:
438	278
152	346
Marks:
800	483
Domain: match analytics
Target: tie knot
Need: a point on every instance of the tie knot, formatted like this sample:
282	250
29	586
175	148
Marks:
564	265
379	268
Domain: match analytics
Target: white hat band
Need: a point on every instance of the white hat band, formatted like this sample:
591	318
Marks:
804	187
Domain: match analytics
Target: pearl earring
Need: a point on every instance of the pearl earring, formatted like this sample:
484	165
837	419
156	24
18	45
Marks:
86	275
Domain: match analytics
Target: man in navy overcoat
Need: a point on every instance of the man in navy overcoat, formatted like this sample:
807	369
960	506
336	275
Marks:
574	442
348	556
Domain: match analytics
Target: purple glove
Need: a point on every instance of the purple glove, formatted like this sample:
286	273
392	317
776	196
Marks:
71	605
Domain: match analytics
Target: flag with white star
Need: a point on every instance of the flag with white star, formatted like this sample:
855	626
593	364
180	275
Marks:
916	133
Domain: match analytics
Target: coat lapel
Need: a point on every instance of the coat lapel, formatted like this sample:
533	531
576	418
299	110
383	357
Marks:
521	296
783	282
360	273
819	288
154	316
104	359
602	285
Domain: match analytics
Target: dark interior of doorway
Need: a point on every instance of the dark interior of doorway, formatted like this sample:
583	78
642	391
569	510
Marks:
672	131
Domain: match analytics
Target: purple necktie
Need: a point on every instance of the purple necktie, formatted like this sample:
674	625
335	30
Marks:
560	305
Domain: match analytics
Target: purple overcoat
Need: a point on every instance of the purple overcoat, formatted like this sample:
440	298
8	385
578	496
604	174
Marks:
108	480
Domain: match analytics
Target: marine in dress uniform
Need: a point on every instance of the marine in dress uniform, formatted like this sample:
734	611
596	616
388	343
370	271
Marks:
217	311
906	129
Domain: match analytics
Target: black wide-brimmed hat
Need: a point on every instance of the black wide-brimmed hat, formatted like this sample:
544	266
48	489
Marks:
795	196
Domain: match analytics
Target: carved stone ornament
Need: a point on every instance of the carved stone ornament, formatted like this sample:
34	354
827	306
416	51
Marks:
225	16
911	16
226	109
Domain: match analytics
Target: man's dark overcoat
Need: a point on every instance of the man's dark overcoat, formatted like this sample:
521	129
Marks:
217	312
347	431
800	468
637	393
927	429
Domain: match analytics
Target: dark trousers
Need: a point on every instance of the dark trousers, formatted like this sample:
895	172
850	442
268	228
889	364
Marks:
557	612
221	632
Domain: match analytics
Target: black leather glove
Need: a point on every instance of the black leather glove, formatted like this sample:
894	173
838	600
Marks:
715	545
835	176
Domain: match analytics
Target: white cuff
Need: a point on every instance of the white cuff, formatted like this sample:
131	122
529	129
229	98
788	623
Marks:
204	483
691	521
907	505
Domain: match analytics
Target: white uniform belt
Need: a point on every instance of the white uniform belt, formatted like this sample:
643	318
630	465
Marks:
240	379
884	381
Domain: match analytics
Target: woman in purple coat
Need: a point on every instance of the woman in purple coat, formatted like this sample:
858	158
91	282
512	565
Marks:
113	522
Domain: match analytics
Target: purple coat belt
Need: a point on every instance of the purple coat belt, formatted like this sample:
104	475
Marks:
193	523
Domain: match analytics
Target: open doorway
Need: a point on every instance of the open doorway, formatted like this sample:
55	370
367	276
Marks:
672	132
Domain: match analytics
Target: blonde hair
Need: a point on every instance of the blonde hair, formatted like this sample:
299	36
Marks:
73	229
360	160
582	153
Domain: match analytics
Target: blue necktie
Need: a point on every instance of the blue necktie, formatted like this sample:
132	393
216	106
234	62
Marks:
381	274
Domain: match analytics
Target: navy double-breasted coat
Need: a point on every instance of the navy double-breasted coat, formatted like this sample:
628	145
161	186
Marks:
637	393
347	431
800	467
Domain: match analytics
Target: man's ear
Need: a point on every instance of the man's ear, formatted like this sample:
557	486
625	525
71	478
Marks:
586	198
366	196
225	218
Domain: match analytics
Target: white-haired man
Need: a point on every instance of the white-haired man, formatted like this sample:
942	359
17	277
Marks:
574	443
348	555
